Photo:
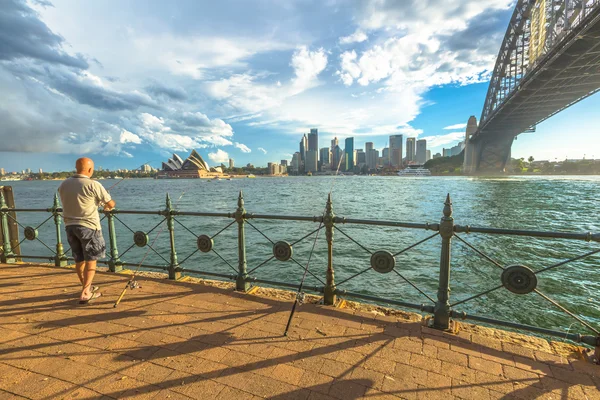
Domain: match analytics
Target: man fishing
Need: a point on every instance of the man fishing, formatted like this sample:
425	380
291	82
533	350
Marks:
80	197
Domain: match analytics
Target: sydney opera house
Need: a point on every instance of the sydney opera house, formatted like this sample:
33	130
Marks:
193	167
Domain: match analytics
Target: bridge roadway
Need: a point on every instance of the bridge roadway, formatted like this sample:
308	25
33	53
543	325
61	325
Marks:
182	340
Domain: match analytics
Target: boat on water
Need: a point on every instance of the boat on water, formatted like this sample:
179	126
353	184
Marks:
251	176
10	179
414	170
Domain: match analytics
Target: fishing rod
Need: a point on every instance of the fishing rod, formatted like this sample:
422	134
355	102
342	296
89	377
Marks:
300	295
131	283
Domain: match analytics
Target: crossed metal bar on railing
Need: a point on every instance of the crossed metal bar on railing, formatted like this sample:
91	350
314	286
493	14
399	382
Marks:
517	279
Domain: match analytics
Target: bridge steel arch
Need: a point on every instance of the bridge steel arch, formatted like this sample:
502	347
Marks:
549	60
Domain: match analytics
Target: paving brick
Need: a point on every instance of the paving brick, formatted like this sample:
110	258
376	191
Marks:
469	391
484	365
452	357
522	376
426	363
380	364
287	373
374	378
349	388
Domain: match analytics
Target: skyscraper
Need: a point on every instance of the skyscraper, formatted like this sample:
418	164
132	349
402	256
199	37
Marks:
396	150
313	140
427	155
410	149
284	162
2	171
324	158
336	158
311	164
296	162
421	156
303	147
372	158
368	146
385	154
231	163
349	154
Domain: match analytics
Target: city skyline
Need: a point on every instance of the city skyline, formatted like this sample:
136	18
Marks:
179	77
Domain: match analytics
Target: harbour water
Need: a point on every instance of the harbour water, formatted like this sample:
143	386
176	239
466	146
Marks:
568	204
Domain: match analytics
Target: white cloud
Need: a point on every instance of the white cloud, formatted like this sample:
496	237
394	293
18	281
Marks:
263	150
357	37
193	56
442	140
456	126
307	67
242	147
128	137
182	132
219	156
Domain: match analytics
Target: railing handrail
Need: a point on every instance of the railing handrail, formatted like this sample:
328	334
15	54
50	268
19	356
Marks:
585	236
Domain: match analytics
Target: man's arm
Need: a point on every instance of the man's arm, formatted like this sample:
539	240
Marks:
104	198
110	205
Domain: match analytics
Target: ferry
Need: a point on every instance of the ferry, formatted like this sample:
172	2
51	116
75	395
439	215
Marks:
414	170
251	176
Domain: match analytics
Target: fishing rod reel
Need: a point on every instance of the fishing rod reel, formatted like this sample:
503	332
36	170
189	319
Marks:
300	298
133	284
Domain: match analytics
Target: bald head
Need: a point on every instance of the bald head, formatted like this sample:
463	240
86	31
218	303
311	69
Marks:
85	166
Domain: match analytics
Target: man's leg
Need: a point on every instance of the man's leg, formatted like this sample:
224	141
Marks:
88	276
79	268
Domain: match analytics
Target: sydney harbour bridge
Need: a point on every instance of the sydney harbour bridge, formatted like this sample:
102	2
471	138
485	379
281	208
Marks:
548	61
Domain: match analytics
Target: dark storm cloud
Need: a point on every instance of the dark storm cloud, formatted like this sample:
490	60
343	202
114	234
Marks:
160	90
24	35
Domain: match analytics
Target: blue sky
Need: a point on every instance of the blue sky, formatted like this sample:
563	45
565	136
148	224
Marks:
129	82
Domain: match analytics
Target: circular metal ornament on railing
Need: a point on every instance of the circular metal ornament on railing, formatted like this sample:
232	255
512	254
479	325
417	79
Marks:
519	279
282	251
205	243
30	233
383	261
140	238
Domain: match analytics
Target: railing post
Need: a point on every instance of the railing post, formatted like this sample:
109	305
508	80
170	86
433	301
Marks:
60	260
328	220
441	318
7	256
174	270
241	284
114	264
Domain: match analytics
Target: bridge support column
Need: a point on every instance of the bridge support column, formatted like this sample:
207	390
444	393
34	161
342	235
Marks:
487	157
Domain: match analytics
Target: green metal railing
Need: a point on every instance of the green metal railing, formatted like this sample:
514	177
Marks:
517	279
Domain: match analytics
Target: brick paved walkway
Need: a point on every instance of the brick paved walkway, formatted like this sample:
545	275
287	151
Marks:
187	340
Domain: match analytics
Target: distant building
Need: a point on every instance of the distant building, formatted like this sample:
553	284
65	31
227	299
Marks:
311	164
349	154
385	154
396	151
282	169
324	158
284	163
421	154
437	155
249	165
427	155
231	163
146	168
303	148
337	156
361	158
372	156
410	149
296	162
313	140
273	169
2	171
28	170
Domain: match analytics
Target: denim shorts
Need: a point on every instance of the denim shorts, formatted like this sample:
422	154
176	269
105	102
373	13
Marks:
86	244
